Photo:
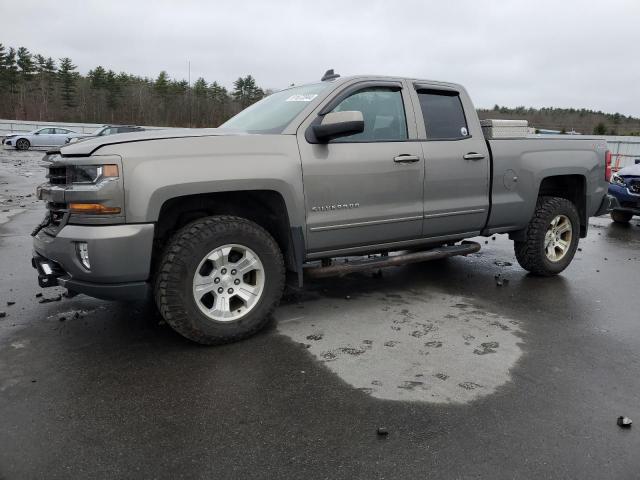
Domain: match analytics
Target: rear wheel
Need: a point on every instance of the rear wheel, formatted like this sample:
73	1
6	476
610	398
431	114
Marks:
621	216
23	144
551	237
219	279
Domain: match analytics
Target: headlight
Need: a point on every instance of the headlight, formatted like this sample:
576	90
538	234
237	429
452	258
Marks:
617	180
91	173
51	157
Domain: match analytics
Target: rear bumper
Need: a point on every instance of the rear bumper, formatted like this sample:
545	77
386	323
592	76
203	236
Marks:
120	260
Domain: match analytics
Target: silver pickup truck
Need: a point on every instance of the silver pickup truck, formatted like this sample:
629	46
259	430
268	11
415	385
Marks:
212	222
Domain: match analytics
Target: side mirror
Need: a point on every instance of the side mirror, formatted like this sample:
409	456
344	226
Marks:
637	161
339	124
36	133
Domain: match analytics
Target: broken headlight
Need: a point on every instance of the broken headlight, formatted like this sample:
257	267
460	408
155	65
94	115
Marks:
617	180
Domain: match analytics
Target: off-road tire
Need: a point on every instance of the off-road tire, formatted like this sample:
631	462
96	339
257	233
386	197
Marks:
173	286
23	144
530	253
621	216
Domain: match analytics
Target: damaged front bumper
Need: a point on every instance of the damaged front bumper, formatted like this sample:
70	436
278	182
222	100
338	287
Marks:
120	260
609	202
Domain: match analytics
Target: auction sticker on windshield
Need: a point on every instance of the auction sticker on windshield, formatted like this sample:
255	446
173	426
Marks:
301	98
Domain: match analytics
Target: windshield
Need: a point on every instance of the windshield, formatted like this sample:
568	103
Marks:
273	113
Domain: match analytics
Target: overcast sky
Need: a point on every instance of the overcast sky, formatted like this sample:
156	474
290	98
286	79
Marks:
533	53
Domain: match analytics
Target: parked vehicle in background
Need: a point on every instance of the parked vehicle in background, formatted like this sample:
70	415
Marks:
43	137
104	130
625	187
212	221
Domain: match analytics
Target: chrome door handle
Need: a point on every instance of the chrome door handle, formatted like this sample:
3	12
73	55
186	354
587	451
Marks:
405	158
473	156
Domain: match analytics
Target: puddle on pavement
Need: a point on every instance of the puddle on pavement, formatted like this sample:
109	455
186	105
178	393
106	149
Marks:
439	349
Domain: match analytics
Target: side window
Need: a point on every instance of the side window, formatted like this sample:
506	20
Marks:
383	113
443	114
47	131
61	131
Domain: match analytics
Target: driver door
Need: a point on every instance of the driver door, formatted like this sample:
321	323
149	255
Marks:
365	188
43	138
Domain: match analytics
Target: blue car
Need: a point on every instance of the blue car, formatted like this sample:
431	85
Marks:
625	186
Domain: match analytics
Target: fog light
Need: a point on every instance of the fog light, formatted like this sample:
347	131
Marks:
83	254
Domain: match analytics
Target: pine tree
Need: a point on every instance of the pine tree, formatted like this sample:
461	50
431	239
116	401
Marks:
68	79
246	91
25	64
218	93
10	71
97	77
161	85
3	64
200	88
114	88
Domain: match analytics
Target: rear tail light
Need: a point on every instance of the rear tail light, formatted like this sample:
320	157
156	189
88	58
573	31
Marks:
607	165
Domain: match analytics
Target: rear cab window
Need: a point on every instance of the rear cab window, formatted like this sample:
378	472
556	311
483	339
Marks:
443	114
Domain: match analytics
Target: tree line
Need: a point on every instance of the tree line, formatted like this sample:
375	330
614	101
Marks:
35	87
567	119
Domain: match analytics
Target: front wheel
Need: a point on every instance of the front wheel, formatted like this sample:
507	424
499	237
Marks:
551	237
219	280
23	144
621	216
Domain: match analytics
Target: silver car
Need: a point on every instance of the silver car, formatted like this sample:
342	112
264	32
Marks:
43	137
102	131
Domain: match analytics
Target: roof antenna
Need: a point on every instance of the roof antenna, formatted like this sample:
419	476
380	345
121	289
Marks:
329	75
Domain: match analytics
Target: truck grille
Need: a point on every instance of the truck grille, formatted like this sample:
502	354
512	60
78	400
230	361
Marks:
634	187
57	175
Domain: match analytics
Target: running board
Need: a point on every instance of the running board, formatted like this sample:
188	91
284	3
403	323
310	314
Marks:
464	248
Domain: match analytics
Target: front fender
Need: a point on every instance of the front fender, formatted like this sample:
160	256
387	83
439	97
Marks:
158	170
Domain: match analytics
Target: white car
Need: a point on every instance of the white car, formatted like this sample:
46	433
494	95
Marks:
43	137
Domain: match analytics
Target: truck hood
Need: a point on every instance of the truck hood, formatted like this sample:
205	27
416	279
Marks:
90	145
631	170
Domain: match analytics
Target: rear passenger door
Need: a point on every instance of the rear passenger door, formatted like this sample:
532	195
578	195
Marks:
456	182
60	136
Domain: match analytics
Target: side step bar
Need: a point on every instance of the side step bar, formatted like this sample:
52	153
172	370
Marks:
464	248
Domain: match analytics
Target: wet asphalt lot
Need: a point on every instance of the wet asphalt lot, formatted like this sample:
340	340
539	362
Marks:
471	379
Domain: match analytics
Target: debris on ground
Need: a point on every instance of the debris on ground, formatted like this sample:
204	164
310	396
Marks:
383	432
502	263
624	422
3	314
347	297
38	295
10	302
501	281
57	298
